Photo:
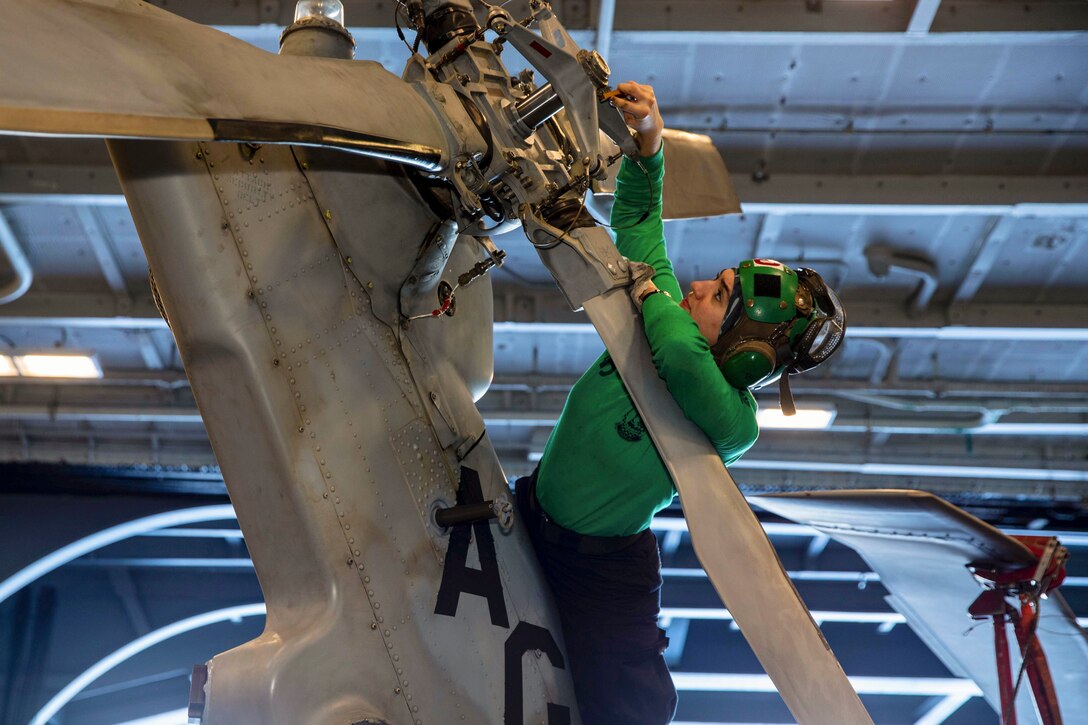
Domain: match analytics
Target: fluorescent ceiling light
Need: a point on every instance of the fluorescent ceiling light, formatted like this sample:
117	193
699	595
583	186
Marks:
7	367
48	365
815	418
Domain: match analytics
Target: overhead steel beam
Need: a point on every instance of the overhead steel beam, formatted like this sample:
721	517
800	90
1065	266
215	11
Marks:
661	523
60	183
244	565
919	470
96	236
828	463
106	413
706	34
101	413
606	16
998	394
912	195
777	193
84	311
926	389
921	20
546	312
960	329
983	257
770	15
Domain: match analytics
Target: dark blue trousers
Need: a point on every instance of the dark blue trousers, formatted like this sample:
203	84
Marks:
608	592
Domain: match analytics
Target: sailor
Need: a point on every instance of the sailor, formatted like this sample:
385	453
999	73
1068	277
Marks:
601	480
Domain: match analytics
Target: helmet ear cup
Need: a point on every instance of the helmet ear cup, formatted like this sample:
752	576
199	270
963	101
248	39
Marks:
748	363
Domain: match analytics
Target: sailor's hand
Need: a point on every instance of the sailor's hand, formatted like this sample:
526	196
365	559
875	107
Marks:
642	282
639	107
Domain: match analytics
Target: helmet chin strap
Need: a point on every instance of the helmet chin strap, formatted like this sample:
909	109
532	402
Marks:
785	395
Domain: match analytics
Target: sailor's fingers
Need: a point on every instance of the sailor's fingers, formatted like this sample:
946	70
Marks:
634	113
638	104
634	99
637	91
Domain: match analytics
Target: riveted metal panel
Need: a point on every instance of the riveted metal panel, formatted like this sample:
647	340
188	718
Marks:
309	401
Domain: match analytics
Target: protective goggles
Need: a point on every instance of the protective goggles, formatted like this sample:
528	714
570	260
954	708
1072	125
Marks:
826	332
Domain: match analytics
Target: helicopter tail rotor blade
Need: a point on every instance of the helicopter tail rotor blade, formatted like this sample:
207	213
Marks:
731	545
697	184
125	69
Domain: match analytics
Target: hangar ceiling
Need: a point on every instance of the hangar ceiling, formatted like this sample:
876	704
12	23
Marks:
936	178
929	159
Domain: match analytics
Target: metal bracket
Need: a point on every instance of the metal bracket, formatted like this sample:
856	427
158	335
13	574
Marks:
584	260
471	513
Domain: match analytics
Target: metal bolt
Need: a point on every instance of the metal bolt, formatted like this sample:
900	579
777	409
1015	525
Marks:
373	625
396	690
275	362
328	214
348	260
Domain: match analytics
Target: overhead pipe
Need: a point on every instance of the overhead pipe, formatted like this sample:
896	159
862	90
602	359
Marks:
20	266
884	260
885	355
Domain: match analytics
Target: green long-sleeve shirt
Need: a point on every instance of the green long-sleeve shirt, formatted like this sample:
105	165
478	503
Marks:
600	473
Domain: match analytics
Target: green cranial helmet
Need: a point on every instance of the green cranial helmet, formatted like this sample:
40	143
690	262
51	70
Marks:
780	322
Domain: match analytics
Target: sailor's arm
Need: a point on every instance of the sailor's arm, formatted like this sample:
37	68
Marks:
636	211
726	415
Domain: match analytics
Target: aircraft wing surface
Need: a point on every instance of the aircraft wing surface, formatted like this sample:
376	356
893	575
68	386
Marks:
920	545
125	69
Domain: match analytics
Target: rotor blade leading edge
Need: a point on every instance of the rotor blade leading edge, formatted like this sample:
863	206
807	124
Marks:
125	69
729	541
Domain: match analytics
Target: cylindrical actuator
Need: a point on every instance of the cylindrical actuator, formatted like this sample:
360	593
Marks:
539	107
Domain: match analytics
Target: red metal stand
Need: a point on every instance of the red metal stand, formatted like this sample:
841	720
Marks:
1028	585
1038	671
1004	670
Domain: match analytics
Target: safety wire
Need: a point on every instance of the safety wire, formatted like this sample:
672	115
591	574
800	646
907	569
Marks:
401	5
581	208
585	180
463	280
447	303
